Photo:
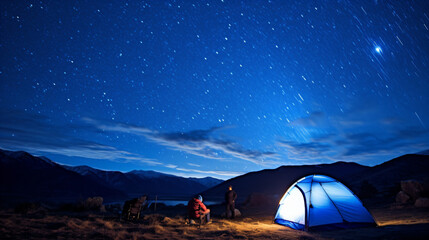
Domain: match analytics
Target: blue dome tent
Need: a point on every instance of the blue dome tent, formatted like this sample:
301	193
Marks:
319	202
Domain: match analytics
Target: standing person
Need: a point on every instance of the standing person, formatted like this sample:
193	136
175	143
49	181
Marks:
230	197
197	210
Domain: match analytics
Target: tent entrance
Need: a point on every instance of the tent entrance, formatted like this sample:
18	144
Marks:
292	211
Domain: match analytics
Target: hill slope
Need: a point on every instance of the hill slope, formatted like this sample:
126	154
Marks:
276	181
138	182
24	177
385	177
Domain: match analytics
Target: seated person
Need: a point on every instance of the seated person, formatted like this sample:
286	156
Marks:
197	210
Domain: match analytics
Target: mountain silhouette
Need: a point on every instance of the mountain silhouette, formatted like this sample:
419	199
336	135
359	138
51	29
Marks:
385	178
25	177
276	181
138	182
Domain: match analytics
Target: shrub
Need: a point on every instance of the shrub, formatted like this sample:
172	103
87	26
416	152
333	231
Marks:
93	204
26	207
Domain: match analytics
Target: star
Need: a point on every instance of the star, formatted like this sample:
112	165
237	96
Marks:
170	81
378	50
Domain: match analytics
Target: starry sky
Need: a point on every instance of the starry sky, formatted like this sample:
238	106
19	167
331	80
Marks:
214	88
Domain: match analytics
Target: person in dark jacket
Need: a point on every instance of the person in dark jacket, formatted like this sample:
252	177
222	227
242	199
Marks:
230	197
197	210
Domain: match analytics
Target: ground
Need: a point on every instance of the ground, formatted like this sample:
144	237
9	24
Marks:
406	223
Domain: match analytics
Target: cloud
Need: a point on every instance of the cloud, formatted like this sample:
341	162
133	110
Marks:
357	146
314	119
220	173
208	147
171	166
38	135
313	149
391	121
194	165
90	151
357	116
200	143
410	138
119	127
195	142
361	131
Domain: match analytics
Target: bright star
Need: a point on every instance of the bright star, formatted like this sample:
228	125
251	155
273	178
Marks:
378	49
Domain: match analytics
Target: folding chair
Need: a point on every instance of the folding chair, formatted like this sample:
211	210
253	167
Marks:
132	208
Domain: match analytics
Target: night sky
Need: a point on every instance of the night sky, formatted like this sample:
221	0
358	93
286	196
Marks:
214	88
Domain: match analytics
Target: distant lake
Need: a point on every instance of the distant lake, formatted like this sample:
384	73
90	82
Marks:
177	202
168	202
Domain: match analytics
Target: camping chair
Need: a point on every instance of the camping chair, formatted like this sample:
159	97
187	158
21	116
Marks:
133	207
199	221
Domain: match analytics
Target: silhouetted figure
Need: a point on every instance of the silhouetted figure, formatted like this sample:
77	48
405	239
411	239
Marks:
198	211
132	208
230	197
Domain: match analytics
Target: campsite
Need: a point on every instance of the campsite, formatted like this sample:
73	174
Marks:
259	208
214	119
170	224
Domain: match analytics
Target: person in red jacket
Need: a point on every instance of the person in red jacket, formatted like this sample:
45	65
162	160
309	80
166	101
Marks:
197	210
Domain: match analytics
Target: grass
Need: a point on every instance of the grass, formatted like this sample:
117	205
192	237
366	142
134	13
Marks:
394	224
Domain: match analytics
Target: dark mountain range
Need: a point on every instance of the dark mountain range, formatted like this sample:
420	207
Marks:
115	179
207	181
23	176
149	174
276	181
140	182
26	177
426	152
385	178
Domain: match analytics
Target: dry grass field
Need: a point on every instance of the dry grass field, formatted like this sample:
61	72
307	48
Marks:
408	223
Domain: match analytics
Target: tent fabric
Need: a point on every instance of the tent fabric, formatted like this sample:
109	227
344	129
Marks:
321	202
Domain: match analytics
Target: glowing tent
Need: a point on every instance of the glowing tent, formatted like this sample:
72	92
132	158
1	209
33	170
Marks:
321	202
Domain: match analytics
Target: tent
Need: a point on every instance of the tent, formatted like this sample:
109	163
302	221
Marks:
319	202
